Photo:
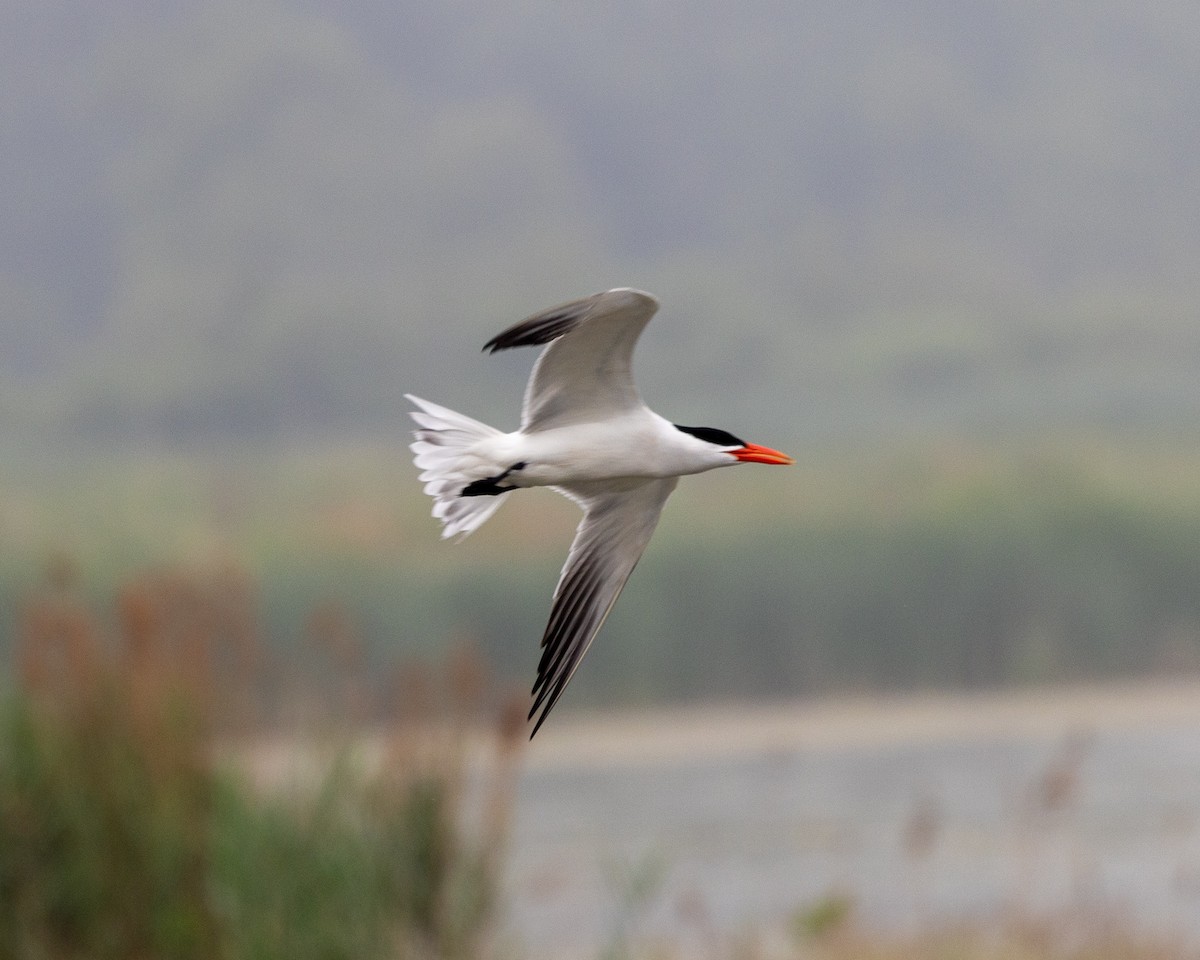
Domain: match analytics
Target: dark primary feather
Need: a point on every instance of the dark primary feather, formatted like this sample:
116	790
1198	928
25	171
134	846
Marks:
576	615
544	326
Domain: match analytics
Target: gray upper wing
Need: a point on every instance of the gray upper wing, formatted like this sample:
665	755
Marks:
585	372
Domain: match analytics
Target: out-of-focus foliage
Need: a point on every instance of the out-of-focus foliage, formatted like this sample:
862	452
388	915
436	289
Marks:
268	219
133	823
141	815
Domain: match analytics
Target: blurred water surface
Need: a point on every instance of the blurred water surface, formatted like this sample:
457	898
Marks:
1098	821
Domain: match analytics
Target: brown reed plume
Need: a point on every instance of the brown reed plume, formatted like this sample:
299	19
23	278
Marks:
57	644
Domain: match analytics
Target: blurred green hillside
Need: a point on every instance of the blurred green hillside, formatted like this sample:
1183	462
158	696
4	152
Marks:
938	566
264	221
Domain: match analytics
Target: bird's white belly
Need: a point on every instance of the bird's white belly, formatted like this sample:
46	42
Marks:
563	456
591	452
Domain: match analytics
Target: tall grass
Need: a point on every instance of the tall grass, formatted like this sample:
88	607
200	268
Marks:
122	835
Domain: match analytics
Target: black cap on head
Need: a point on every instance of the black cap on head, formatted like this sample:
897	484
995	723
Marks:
720	438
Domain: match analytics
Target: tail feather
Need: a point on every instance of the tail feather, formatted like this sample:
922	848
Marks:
444	450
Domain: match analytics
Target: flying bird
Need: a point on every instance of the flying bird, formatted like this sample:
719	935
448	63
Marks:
586	433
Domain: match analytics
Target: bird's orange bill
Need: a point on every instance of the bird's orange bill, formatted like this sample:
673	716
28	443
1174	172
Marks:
753	453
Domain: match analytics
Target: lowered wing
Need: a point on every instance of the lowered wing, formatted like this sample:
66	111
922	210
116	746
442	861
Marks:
611	538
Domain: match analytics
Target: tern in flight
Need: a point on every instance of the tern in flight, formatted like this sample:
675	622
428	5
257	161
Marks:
586	433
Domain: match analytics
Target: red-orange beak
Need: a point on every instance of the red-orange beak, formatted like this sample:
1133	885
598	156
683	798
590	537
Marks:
753	453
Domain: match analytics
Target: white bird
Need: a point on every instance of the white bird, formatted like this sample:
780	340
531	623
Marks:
586	433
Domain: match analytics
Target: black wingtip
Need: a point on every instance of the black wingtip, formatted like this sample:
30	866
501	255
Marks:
544	326
545	705
542	719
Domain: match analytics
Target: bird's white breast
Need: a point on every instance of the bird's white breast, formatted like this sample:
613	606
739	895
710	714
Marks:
639	444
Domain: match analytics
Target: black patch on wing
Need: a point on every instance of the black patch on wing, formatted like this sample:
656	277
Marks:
541	327
720	438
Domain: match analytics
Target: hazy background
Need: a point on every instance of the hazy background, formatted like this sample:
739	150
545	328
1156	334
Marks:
944	253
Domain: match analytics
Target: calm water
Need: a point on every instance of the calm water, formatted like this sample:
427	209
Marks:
914	834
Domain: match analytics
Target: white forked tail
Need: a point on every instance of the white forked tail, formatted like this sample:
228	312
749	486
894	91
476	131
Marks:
445	453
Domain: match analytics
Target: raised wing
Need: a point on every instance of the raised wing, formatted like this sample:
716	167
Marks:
611	538
585	373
